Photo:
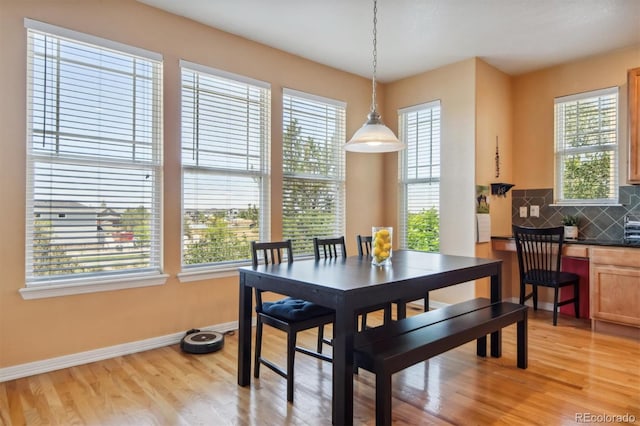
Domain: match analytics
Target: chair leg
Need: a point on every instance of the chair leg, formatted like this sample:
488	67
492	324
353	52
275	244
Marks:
523	289
576	295
401	310
363	321
426	302
291	351
320	338
387	314
535	297
258	354
556	290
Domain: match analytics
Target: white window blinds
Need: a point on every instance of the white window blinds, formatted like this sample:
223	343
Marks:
94	157
225	161
419	169
586	147
313	169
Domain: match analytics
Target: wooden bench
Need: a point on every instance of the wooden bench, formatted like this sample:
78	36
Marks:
393	347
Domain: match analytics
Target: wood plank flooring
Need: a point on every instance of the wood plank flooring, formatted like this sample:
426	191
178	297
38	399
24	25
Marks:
572	372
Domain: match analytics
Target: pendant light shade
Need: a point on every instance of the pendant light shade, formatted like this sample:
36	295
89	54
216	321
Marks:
374	136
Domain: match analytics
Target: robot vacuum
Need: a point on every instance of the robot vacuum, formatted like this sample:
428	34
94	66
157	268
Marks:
202	342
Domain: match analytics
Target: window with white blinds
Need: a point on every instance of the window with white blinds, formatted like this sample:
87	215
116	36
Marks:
586	148
313	184
225	165
419	170
94	158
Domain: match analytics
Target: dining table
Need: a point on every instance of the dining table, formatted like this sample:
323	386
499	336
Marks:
349	285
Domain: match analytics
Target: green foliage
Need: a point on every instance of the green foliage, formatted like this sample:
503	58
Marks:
423	231
309	204
587	176
138	221
50	259
219	243
570	220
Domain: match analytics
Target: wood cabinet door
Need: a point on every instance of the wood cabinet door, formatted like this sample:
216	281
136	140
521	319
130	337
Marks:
615	294
633	83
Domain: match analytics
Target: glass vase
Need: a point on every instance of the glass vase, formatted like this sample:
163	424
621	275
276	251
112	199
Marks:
381	245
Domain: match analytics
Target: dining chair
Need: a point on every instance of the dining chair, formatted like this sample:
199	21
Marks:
539	261
289	315
330	248
364	249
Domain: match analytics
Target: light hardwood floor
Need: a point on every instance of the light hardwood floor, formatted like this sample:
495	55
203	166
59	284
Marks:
572	372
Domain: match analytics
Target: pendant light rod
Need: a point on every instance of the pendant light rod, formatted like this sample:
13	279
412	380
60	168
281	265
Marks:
374	136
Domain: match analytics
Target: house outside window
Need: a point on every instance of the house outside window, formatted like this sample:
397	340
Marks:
419	177
313	184
93	143
225	166
586	148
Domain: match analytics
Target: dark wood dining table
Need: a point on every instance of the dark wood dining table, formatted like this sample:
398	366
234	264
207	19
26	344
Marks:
349	285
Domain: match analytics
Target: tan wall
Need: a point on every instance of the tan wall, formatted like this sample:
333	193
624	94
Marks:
533	94
494	108
454	86
40	329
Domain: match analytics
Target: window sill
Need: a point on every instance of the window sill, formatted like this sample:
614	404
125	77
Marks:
93	285
586	205
208	272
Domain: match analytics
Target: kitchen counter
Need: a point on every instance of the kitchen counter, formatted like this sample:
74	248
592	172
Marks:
580	241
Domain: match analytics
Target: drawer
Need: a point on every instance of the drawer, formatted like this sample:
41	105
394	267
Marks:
615	256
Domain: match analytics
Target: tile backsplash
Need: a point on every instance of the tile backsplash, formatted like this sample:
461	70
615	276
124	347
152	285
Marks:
596	223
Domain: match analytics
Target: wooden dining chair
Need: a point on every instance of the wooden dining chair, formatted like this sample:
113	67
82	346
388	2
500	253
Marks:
539	261
365	249
289	315
333	248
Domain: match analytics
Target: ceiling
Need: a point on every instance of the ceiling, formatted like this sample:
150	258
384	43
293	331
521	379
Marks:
515	36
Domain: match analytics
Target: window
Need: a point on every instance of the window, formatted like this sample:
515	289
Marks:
94	159
420	177
586	147
313	169
225	147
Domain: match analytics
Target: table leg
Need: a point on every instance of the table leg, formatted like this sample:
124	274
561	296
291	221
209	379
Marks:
496	296
343	331
244	333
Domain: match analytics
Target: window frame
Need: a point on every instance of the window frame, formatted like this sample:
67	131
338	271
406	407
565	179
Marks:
197	272
404	181
561	151
78	283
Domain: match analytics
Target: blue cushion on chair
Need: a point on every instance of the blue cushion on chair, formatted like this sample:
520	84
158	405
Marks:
290	309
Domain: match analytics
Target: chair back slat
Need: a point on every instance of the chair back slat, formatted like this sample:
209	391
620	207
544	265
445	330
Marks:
364	245
331	248
539	251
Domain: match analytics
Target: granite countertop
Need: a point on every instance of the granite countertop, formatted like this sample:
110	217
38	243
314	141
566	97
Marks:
610	243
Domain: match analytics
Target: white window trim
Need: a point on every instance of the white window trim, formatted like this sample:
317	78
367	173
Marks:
85	285
557	174
92	284
403	180
200	272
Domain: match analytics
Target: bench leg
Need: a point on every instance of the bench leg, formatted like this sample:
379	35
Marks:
383	399
496	344
523	355
481	349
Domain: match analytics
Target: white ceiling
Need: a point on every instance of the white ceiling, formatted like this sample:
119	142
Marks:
516	36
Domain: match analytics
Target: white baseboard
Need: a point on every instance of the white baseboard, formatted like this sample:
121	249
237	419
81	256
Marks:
66	361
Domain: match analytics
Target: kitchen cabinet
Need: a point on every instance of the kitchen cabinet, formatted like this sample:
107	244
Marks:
615	286
633	85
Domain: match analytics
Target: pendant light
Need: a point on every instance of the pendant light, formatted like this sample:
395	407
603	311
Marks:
374	136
